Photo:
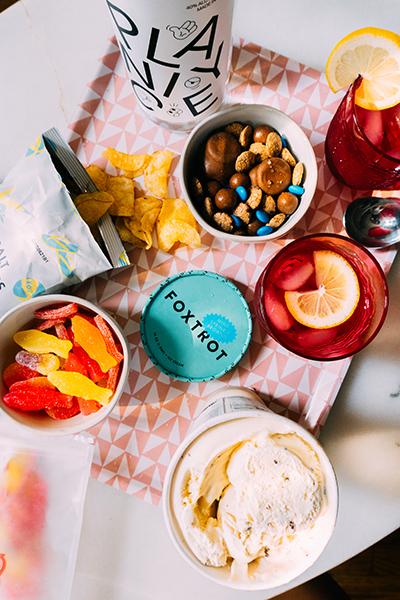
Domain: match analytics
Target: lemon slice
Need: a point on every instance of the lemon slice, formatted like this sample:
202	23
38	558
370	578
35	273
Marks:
374	54
336	298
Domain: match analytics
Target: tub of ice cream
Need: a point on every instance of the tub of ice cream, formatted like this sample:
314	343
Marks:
250	497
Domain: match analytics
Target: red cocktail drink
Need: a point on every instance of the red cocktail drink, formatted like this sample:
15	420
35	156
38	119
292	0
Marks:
362	147
323	297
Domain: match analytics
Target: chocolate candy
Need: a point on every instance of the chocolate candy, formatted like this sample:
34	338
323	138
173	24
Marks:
265	230
220	155
242	193
272	175
237	221
262	216
296	189
287	203
261	133
238	179
225	199
253	227
213	187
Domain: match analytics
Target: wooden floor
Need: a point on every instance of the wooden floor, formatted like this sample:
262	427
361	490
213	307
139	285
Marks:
5	4
373	574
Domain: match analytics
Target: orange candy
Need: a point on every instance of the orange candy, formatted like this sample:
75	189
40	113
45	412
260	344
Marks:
90	339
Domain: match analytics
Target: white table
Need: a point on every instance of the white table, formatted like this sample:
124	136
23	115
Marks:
48	52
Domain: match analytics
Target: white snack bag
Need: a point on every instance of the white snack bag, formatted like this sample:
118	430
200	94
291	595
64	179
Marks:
42	492
44	243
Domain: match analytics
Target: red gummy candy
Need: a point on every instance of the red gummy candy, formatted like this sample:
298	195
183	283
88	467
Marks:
64	412
108	338
88	406
61	331
92	366
27	396
112	378
74	364
63	312
16	372
49	323
26	508
40	381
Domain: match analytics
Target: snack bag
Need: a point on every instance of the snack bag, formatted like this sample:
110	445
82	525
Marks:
44	243
42	492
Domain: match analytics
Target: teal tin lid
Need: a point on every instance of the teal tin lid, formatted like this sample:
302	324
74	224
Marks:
196	326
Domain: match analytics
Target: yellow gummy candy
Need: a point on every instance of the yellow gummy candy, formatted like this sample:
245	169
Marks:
91	340
47	363
15	472
76	384
34	340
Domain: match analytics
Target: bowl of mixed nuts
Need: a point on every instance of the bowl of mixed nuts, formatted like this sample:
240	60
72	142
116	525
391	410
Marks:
248	171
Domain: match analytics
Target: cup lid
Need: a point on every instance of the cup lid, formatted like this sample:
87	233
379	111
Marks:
196	326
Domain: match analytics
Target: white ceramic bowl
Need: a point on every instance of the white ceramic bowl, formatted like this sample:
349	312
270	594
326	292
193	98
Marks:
21	317
213	415
255	114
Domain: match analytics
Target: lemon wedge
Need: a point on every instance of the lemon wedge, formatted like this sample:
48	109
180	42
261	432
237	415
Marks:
374	54
336	296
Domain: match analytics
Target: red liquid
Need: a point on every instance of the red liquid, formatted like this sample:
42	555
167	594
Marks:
362	147
292	268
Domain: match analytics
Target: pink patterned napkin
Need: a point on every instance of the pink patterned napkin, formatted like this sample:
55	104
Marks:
135	444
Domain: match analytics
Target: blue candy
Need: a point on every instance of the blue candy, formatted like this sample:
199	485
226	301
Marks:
284	141
238	222
296	189
262	216
242	192
265	230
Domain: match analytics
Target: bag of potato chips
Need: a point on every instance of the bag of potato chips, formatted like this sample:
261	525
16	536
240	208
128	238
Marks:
44	243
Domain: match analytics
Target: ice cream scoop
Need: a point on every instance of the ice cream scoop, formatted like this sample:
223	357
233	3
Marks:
250	506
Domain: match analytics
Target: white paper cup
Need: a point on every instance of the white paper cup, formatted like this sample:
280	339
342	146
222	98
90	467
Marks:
21	317
224	406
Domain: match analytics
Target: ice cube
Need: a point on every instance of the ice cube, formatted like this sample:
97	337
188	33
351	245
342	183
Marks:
294	273
276	310
316	337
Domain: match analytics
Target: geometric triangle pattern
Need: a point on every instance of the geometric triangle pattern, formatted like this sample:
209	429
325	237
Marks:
134	445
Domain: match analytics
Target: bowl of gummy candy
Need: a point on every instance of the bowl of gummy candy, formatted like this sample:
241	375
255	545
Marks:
248	171
63	364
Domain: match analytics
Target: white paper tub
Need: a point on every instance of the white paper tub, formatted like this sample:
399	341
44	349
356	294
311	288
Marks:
227	405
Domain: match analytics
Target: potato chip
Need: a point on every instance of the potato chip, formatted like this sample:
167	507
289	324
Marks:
135	227
170	232
145	204
156	173
93	205
176	224
142	223
125	234
98	176
123	191
133	163
176	208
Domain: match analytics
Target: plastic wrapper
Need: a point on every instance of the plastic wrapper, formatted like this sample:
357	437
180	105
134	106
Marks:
44	243
42	492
